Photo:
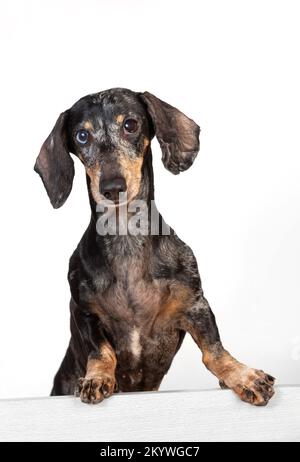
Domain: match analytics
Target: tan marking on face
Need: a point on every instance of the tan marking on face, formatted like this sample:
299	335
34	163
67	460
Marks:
88	125
146	143
132	171
120	118
105	365
94	174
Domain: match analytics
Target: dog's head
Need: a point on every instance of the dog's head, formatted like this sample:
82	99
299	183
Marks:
110	132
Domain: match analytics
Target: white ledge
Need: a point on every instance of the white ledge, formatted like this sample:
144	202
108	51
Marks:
213	415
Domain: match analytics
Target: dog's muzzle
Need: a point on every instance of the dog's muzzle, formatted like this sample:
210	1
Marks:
112	187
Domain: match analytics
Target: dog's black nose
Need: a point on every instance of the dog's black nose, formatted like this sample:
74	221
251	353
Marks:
112	188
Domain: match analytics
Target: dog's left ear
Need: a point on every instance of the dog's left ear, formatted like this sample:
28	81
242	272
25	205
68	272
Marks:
178	135
55	165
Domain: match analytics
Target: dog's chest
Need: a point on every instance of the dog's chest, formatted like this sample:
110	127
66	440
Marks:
133	300
139	313
136	309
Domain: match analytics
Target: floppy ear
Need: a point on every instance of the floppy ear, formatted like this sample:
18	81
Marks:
178	135
55	165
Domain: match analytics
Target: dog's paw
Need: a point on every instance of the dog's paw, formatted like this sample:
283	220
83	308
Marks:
94	390
251	385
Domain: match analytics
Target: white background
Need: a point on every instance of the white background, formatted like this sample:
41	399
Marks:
233	67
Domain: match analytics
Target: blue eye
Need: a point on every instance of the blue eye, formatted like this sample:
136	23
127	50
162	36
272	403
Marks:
82	136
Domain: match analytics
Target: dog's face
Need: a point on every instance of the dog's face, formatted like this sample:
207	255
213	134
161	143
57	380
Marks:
110	133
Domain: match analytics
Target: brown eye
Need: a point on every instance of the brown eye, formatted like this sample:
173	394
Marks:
130	125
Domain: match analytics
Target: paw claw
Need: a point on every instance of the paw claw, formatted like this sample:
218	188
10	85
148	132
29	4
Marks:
105	389
223	385
250	395
270	378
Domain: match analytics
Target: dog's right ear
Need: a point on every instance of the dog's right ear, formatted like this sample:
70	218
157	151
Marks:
55	165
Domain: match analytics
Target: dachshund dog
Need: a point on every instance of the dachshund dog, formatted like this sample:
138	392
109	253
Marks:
133	295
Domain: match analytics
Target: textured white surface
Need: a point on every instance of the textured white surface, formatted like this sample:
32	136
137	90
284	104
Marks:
214	415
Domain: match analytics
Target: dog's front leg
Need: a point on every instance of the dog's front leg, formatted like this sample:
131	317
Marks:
99	380
251	385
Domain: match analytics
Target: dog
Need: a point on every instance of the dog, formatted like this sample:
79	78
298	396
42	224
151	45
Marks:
133	296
